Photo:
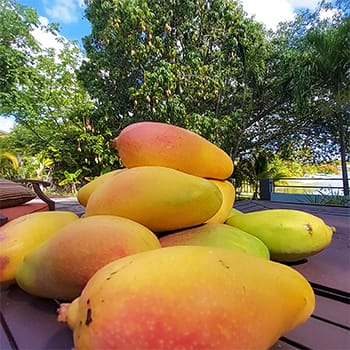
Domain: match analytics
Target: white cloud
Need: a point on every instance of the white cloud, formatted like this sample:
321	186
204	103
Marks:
6	124
328	14
269	12
272	12
63	11
311	4
46	39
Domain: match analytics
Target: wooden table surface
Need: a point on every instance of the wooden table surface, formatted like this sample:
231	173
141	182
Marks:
29	323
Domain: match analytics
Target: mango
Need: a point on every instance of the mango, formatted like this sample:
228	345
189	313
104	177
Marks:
217	235
188	297
161	144
228	195
233	211
21	235
62	265
290	235
85	191
160	198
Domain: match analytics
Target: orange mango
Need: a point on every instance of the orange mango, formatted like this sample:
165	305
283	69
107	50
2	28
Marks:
23	234
160	198
228	194
61	266
161	144
188	297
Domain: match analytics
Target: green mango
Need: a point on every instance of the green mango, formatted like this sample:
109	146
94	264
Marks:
232	212
220	236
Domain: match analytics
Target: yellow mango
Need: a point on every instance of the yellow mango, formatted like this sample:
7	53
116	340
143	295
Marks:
217	235
160	198
290	235
61	266
228	194
85	191
21	235
188	297
161	144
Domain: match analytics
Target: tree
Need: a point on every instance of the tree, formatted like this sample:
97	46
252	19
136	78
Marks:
319	81
331	65
203	65
39	88
255	166
15	42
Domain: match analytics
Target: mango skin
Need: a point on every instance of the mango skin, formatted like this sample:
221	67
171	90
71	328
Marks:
228	194
160	198
161	144
61	266
21	235
188	297
233	211
85	191
290	235
218	235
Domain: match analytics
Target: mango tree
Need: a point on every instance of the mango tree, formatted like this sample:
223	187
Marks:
204	65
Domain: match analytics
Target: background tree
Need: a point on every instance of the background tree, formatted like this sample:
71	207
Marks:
204	65
259	164
199	64
318	44
16	42
51	108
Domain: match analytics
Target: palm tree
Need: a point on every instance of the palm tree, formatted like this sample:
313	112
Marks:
326	77
8	165
255	167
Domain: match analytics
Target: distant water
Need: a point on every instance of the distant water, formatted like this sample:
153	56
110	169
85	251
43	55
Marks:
325	183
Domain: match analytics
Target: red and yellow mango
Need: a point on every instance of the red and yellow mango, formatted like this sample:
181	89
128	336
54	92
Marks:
61	266
20	236
161	144
188	297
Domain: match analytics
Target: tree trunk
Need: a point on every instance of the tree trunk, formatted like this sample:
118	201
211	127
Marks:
343	155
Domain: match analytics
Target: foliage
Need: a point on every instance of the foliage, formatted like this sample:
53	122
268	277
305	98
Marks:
51	108
16	42
317	52
268	99
71	179
8	165
256	166
203	65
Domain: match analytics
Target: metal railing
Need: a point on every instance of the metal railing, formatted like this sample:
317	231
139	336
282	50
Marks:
312	190
292	186
278	184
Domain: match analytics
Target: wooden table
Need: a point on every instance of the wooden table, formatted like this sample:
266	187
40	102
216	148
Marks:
29	323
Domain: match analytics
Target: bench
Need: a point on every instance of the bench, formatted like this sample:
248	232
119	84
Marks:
42	203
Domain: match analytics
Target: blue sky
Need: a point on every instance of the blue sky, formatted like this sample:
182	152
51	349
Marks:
73	26
68	13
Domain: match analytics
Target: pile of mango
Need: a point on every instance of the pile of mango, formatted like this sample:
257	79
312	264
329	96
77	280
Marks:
161	259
